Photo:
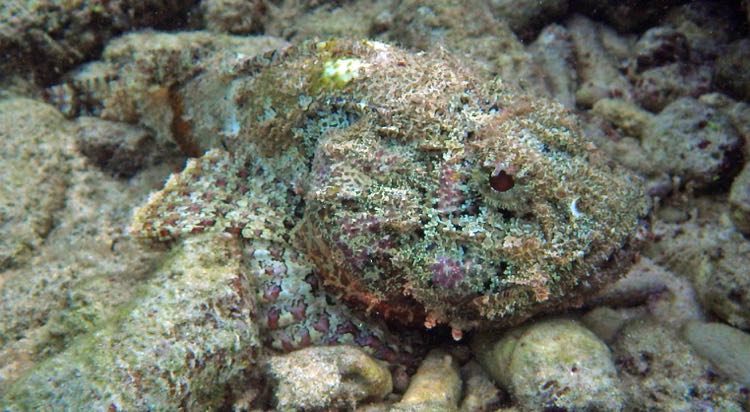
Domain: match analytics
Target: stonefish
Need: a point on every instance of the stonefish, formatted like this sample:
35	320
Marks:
402	183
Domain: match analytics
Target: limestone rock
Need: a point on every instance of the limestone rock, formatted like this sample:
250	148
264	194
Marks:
555	363
327	377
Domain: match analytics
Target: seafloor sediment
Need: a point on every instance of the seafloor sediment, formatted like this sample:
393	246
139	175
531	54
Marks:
375	205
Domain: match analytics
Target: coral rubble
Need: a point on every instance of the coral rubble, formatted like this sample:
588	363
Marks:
351	224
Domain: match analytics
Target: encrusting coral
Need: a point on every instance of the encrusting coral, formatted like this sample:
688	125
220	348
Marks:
397	182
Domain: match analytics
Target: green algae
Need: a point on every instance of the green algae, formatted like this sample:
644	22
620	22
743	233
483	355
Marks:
185	341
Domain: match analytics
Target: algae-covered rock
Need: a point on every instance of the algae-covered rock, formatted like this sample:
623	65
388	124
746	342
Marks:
186	341
707	25
304	20
327	377
739	200
671	299
626	16
555	363
656	88
479	393
694	141
727	348
659	46
715	259
62	292
605	322
436	386
625	149
134	82
598	73
662	70
661	372
526	17
627	116
36	156
118	148
553	53
732	70
689	139
235	16
467	29
72	281
48	37
34	150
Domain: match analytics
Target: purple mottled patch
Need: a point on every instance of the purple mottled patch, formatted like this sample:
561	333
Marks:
447	272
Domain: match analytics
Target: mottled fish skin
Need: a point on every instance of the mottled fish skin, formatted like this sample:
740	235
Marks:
218	192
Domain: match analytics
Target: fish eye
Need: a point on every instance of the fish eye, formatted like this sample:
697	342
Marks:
502	181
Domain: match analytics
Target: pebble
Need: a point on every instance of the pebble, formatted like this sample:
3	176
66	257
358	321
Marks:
555	363
661	372
739	200
327	377
436	386
727	348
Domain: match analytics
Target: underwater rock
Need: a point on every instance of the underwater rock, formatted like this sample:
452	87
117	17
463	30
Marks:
688	139
656	88
604	322
733	70
527	17
669	298
73	279
598	73
739	200
626	116
85	269
118	148
467	29
626	16
662	70
659	46
553	53
301	20
34	141
188	339
327	377
48	37
420	196
480	392
727	348
552	364
234	16
623	148
715	259
436	386
707	25
659	371
135	80
739	114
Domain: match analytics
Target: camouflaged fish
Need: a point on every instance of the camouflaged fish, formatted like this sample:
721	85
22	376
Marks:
398	183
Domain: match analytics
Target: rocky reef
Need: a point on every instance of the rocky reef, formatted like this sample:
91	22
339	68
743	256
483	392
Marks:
374	205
